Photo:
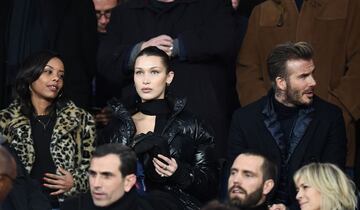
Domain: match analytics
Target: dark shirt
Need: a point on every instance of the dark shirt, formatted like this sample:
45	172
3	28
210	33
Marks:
262	206
286	116
299	4
129	201
42	129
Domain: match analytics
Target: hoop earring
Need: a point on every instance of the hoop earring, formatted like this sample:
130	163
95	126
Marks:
60	94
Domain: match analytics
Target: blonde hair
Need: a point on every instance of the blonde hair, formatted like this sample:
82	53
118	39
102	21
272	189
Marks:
336	189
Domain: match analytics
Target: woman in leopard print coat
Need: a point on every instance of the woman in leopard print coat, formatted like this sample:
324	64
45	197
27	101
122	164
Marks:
52	137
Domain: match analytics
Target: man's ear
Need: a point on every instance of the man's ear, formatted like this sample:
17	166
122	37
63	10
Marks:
268	186
280	83
129	182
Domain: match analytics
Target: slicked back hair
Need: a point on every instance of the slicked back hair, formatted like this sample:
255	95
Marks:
154	51
278	57
125	154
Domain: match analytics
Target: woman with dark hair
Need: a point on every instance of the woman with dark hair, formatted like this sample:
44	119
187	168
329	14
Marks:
52	137
174	148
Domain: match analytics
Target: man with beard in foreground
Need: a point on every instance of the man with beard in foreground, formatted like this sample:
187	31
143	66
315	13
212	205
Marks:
290	124
252	178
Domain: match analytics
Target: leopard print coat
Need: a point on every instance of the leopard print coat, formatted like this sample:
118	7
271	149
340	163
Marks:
71	141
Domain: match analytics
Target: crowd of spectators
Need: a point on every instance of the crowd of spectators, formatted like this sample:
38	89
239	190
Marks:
108	104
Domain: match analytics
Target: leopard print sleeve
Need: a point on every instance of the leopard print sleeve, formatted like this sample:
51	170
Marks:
85	145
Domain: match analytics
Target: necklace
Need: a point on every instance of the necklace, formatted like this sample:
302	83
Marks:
44	125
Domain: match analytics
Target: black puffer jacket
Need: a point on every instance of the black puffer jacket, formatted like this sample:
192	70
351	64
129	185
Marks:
190	143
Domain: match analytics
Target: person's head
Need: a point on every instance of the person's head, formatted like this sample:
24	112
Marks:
235	4
40	78
291	67
323	186
152	74
252	177
111	173
103	10
7	172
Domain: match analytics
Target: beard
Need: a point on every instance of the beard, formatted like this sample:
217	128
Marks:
249	200
296	97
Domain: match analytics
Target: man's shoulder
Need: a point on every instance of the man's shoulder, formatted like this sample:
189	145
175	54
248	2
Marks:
255	107
323	107
78	202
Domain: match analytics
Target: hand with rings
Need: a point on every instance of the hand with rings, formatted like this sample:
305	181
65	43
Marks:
165	166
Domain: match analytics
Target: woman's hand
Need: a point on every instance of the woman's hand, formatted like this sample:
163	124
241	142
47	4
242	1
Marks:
62	183
165	166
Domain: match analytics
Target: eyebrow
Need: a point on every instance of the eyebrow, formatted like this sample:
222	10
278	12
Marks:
106	173
234	169
247	171
61	70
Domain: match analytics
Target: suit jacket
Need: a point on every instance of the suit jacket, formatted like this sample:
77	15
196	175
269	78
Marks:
321	134
331	27
129	201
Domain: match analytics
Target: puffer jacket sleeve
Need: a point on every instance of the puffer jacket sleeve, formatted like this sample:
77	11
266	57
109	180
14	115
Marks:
85	149
199	176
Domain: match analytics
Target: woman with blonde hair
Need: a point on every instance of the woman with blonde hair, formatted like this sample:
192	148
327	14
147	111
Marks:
323	186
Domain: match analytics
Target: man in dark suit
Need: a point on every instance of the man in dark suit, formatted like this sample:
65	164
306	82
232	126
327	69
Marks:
112	182
290	124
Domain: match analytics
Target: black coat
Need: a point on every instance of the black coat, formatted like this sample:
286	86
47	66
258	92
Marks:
189	142
26	193
206	33
323	140
130	201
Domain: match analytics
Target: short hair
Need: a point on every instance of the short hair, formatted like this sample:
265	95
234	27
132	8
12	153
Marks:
278	57
269	168
30	71
125	154
337	191
154	51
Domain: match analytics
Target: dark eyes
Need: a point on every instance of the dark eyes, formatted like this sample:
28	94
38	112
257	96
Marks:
248	175
91	173
50	72
152	72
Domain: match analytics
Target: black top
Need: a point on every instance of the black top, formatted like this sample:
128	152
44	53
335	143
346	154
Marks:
160	108
42	129
286	116
129	201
